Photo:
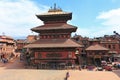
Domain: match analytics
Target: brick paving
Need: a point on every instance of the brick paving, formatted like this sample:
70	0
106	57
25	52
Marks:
14	70
117	72
31	75
93	75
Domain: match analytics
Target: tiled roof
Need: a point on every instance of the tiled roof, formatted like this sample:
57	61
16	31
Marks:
53	43
6	37
54	27
96	47
1	40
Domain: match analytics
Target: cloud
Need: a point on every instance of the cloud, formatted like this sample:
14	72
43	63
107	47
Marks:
17	17
91	32
107	22
111	20
111	17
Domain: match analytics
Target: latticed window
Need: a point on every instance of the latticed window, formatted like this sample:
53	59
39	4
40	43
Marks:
103	53
113	46
39	55
68	36
90	53
109	46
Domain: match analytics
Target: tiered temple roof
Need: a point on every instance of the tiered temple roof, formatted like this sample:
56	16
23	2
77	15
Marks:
57	26
53	43
55	22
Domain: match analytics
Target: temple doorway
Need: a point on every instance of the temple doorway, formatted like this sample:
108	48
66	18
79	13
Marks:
97	61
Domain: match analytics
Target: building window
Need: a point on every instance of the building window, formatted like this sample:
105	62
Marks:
68	36
113	46
52	36
61	36
55	36
44	36
109	46
90	53
103	53
64	36
39	55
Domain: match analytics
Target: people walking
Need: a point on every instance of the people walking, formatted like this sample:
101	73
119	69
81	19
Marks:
67	76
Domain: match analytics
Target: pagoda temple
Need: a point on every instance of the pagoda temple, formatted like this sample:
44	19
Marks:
54	48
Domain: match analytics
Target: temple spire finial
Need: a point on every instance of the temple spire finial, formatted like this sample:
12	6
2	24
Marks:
55	9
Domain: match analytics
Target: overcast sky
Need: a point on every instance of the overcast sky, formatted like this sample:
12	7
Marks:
92	17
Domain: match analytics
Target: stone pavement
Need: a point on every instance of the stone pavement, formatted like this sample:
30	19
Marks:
92	75
14	70
117	72
31	74
12	64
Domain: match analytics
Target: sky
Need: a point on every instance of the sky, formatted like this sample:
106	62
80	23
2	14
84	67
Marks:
94	18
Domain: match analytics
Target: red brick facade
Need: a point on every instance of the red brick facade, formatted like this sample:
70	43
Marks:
110	42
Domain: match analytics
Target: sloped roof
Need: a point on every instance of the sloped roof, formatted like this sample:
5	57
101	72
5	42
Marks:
96	47
54	13
6	37
53	43
54	27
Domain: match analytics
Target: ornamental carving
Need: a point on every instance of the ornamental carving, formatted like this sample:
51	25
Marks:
53	55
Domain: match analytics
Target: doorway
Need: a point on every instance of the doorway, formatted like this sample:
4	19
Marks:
97	61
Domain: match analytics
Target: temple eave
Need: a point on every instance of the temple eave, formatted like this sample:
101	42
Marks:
54	43
33	46
49	30
54	14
